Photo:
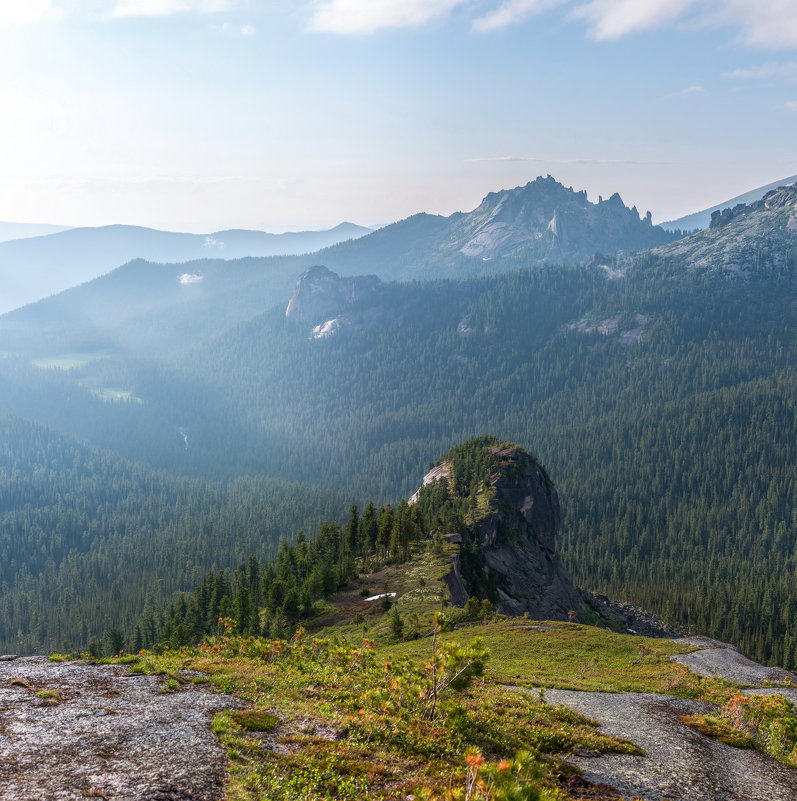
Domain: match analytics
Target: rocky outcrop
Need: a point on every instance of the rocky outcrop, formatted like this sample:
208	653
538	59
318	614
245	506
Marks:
740	240
509	552
625	617
518	543
724	216
442	470
320	294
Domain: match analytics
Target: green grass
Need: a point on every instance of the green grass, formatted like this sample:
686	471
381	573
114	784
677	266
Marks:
61	658
420	592
571	656
767	723
255	720
720	729
146	666
350	724
50	696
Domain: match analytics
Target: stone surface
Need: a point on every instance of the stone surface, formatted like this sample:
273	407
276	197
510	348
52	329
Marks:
721	659
111	735
679	763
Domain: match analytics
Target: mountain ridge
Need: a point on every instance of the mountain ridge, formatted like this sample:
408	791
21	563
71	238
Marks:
63	260
702	219
10	230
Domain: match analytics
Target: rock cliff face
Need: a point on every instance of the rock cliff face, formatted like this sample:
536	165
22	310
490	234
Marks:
552	223
320	293
509	551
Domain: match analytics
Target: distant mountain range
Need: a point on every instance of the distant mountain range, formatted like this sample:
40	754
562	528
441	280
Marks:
657	385
702	219
542	222
34	268
9	231
145	304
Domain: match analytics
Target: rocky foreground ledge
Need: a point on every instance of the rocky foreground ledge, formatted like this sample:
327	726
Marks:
75	731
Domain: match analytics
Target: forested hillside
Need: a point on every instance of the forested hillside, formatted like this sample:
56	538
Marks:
88	541
658	389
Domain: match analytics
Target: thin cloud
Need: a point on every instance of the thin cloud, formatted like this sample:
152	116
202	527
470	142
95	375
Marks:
355	17
613	19
789	105
13	12
511	12
506	158
764	72
689	91
165	8
770	24
246	31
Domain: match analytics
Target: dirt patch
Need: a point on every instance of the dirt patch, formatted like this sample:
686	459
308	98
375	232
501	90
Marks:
113	735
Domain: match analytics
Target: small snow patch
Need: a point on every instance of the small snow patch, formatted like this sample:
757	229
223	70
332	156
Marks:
382	595
327	329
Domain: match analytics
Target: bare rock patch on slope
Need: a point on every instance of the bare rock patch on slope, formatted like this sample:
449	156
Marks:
679	764
71	731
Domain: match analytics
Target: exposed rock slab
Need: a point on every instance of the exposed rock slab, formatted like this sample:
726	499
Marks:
114	736
724	660
679	764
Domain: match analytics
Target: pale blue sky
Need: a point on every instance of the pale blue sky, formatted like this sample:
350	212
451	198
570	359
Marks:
206	114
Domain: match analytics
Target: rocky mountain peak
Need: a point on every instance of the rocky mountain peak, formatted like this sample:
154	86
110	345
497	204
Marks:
320	293
553	223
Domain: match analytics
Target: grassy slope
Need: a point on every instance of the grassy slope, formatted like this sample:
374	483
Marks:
348	720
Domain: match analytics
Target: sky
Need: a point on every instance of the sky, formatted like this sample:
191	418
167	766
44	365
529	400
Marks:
201	115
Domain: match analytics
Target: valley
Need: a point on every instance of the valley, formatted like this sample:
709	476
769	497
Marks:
194	471
398	400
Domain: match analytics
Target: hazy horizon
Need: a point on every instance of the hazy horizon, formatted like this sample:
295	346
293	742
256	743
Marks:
199	115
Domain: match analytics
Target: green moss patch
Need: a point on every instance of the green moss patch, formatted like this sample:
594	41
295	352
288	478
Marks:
255	720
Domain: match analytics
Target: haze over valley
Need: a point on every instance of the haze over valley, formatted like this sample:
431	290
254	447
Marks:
488	495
